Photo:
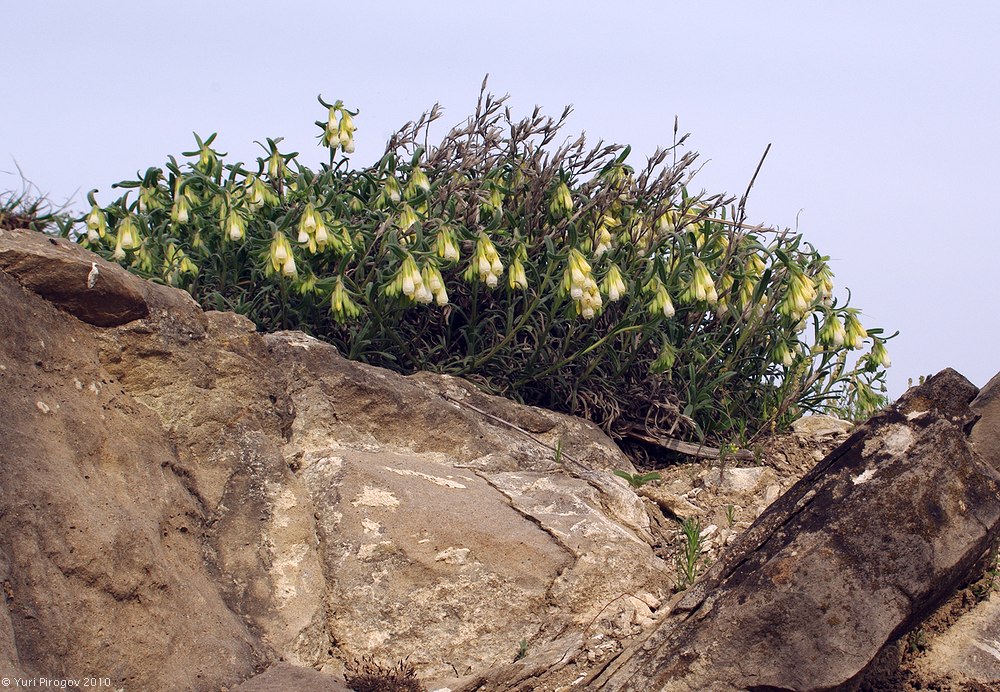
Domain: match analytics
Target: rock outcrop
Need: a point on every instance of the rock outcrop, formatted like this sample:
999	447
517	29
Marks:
187	504
852	557
184	501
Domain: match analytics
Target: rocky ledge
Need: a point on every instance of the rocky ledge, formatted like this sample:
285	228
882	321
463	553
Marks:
187	504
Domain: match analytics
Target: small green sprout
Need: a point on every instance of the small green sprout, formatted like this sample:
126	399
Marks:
639	479
730	515
689	559
522	650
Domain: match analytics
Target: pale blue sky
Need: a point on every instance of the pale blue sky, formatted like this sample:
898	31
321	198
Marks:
884	118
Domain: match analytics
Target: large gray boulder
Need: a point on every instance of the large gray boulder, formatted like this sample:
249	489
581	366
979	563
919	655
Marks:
856	554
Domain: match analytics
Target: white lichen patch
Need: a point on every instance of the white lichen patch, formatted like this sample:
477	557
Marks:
284	501
370	496
42	406
371	526
303	341
863	477
437	480
287	572
895	440
322	464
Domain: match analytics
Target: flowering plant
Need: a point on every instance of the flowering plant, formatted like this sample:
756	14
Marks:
558	275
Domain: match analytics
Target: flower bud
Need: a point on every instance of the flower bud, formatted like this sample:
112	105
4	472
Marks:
561	204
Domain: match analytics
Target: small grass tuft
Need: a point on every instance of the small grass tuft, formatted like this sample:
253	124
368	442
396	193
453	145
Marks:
29	208
368	676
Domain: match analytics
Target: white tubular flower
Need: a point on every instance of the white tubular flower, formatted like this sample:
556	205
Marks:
418	183
614	286
390	190
783	354
445	244
346	132
666	222
128	234
486	262
97	224
879	356
855	332
832	332
409	277
823	281
407	217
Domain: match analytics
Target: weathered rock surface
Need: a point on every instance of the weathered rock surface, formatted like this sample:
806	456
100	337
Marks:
821	426
284	677
857	553
184	502
81	283
969	650
986	431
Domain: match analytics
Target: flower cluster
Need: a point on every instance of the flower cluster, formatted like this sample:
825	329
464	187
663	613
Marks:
579	283
446	244
661	302
127	236
97	224
341	304
281	255
799	297
700	288
516	277
561	205
313	231
614	286
340	128
485	264
603	234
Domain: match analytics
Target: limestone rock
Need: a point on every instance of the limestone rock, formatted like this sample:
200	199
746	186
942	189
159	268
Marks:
854	555
737	479
102	542
452	535
79	282
283	677
819	425
184	501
